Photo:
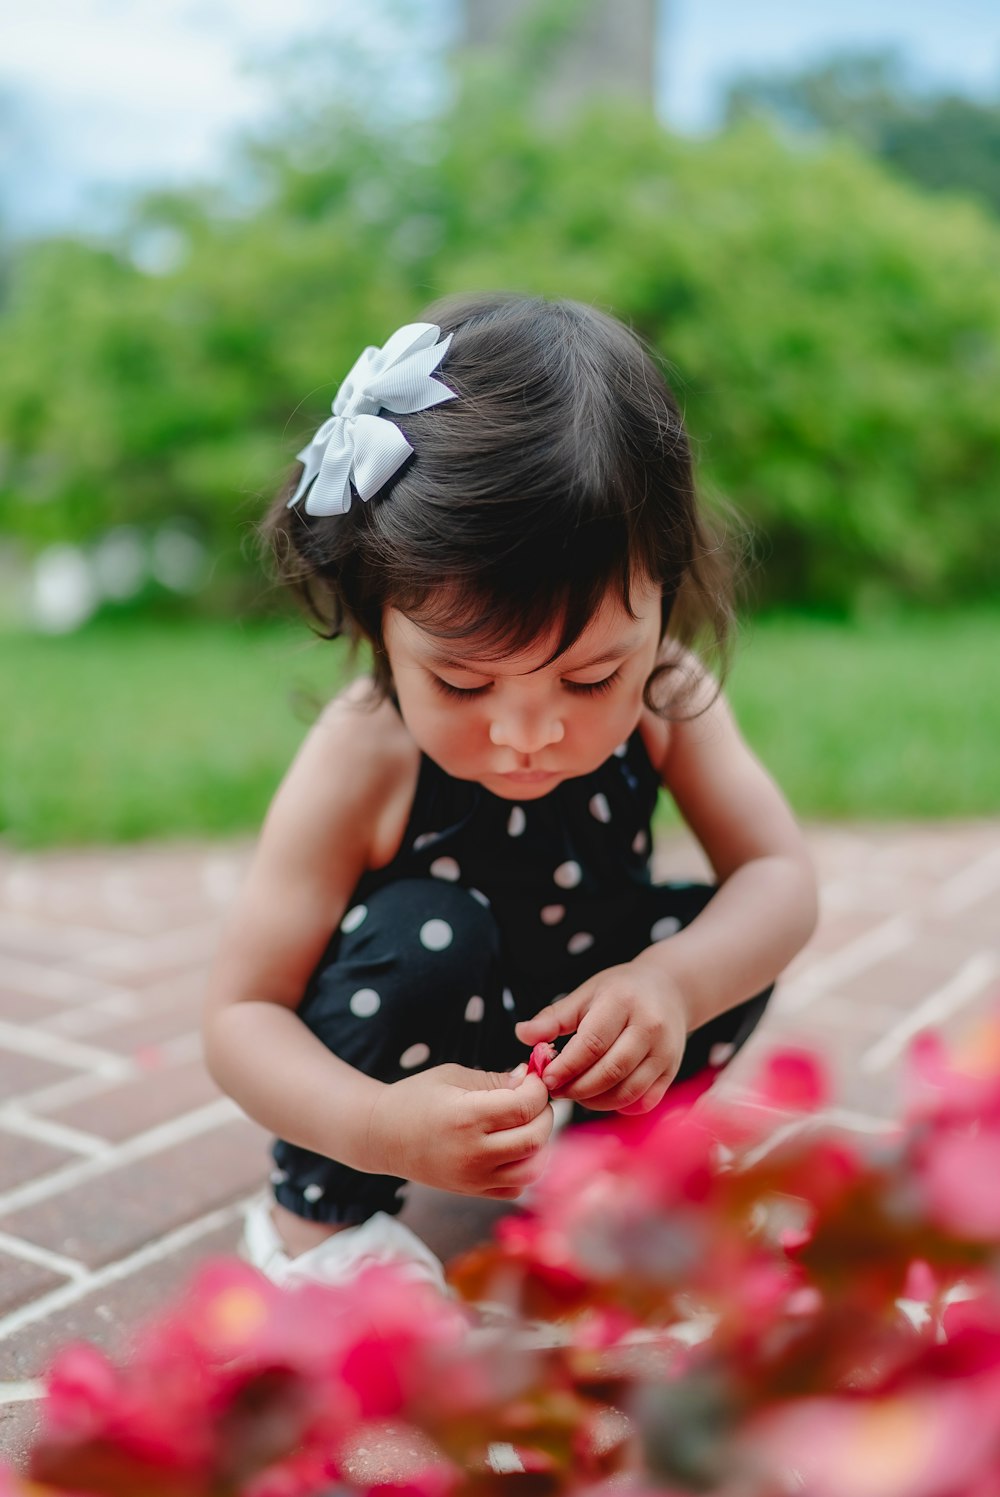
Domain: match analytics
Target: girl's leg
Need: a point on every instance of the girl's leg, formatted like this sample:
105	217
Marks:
409	981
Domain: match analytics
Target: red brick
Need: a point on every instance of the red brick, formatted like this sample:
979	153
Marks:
27	1158
120	1210
26	1073
18	1422
133	1106
19	1007
133	964
29	938
907	977
126	1036
107	1316
21	1281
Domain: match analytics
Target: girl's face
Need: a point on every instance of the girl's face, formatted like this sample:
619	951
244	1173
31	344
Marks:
520	726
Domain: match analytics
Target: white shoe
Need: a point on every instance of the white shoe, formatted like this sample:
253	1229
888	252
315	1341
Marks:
340	1257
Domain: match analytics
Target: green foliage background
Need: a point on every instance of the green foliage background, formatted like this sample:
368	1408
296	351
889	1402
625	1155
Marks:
832	330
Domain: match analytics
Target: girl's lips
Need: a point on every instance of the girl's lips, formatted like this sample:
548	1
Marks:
529	776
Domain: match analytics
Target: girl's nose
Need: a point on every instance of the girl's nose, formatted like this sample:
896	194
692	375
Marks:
526	733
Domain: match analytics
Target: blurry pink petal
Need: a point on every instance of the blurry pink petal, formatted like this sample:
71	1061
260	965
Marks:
793	1079
925	1443
960	1177
601	1326
921	1283
957	1082
82	1389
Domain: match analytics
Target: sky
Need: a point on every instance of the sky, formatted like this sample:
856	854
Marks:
105	94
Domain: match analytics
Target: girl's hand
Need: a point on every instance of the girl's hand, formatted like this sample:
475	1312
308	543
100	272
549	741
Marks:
473	1132
629	1030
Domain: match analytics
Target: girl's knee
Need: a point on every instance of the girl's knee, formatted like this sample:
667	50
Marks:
411	945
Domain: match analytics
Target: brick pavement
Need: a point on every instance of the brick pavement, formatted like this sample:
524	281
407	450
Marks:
121	1166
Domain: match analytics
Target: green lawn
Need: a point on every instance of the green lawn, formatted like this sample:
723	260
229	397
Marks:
184	729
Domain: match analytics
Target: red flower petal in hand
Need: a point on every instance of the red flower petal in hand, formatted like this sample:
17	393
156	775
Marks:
541	1055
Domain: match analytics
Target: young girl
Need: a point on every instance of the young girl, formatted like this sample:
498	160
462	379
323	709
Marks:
457	863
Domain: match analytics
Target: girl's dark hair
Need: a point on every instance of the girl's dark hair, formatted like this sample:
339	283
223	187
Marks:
561	470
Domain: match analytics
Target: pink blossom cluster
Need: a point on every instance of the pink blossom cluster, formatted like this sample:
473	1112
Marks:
695	1305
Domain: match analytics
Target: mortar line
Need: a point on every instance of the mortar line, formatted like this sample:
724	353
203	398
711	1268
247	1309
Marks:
47	1131
153	1141
970	978
970	884
42	1044
52	982
28	1392
849	961
33	1252
144	1257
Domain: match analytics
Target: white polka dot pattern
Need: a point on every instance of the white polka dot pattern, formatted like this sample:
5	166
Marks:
640	843
668	926
568	875
508	1000
313	1192
364	1003
551	914
415	1056
480	898
424	840
599	808
516	822
445	868
354	918
278	1177
474	1009
435	935
582	941
621	751
719	1054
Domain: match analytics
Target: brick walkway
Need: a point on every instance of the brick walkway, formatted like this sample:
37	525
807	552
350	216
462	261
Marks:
121	1166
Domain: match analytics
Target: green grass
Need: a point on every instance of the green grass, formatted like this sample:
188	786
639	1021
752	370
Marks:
120	733
893	719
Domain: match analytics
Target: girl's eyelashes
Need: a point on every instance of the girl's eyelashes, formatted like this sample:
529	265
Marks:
446	689
594	688
579	688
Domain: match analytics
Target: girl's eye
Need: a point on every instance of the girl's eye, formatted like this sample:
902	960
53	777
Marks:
593	688
463	693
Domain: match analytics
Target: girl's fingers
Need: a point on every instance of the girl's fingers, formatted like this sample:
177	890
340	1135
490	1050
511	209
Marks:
635	1088
506	1145
597	1058
652	1099
508	1103
560	1017
519	1174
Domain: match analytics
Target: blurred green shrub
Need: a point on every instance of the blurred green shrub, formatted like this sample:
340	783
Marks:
832	331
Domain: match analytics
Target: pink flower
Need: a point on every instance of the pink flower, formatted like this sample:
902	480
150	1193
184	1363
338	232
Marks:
793	1080
928	1440
958	1084
958	1171
82	1392
541	1055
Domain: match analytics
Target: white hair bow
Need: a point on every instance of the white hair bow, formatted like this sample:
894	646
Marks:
355	444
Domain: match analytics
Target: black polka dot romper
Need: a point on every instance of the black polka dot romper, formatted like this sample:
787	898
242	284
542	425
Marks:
489	911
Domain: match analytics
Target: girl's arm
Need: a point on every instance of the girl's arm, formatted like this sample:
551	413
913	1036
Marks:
630	1023
332	818
765	908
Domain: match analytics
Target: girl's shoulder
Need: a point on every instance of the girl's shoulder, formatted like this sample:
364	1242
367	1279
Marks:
357	765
